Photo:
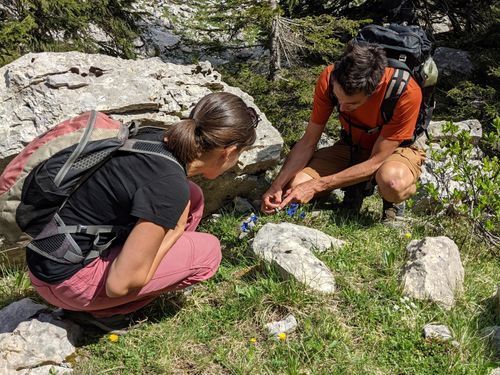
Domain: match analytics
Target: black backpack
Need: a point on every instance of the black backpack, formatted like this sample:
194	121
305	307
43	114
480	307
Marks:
36	185
409	51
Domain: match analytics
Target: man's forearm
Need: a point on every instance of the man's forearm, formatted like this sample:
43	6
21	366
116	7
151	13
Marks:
349	176
296	161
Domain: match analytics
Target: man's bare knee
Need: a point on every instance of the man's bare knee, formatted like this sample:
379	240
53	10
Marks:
299	178
395	182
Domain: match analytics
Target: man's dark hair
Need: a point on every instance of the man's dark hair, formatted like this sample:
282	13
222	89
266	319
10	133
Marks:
360	68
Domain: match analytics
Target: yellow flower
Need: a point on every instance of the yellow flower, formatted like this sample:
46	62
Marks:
408	235
253	340
282	336
113	337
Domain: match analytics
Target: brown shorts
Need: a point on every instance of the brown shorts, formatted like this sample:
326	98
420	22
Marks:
331	160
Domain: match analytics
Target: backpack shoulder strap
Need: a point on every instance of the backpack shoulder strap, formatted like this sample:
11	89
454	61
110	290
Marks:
141	146
397	85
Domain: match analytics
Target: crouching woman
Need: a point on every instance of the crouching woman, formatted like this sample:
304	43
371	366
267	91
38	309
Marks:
154	197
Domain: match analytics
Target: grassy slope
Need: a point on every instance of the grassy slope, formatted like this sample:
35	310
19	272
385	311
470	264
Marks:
357	331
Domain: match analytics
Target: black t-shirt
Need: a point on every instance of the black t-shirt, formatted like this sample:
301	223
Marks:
128	187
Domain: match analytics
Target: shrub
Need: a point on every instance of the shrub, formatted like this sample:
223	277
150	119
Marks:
478	196
46	25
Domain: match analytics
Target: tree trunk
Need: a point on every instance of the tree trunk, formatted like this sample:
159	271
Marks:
274	49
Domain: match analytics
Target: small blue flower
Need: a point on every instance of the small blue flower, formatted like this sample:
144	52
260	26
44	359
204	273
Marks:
292	209
302	215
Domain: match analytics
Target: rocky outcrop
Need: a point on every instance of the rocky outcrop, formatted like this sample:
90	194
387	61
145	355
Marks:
40	90
433	271
288	247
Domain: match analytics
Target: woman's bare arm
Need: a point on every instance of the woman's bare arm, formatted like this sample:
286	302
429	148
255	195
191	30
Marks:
141	255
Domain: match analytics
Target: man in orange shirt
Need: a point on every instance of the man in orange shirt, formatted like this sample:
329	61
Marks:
369	149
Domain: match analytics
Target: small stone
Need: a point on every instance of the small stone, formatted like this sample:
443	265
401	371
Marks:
286	325
437	332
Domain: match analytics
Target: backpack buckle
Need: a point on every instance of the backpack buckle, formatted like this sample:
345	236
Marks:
81	229
402	58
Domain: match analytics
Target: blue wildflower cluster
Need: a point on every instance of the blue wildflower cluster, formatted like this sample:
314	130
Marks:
292	210
249	223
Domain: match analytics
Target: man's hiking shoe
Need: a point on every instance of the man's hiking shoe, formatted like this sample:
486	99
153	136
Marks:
355	194
353	198
392	212
116	323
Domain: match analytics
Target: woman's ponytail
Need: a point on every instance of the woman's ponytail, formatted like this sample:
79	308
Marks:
182	141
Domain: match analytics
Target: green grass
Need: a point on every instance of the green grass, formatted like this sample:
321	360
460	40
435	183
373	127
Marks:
359	330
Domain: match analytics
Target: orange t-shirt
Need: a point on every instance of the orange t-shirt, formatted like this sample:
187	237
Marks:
399	128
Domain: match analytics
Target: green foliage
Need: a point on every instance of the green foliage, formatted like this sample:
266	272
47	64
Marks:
467	100
287	102
63	25
478	198
324	36
236	22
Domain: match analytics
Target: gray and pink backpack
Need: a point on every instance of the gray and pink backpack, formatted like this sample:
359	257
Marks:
37	183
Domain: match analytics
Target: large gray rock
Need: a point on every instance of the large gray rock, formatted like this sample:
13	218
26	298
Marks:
452	62
40	90
472	126
37	342
434	270
288	247
16	312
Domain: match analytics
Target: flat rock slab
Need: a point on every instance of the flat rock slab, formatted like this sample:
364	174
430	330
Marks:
16	312
311	239
433	271
288	247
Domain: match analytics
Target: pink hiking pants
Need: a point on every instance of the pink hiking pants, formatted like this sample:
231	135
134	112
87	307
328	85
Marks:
193	258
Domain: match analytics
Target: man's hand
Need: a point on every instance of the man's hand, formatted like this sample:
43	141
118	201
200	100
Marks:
271	199
301	193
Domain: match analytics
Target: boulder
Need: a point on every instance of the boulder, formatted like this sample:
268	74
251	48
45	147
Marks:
433	271
451	62
39	90
288	247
